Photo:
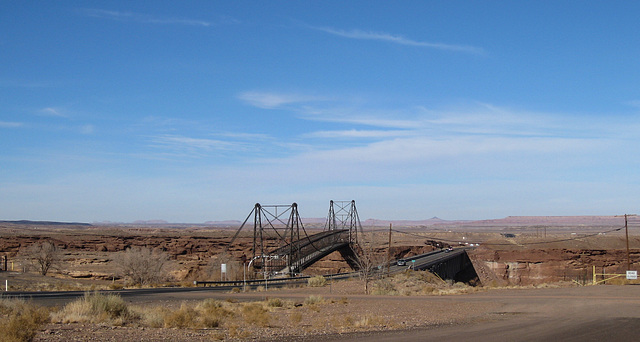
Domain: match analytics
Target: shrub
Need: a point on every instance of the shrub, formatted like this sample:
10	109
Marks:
317	281
295	317
42	256
256	314
383	287
20	320
209	313
96	308
142	266
368	321
311	300
212	313
152	317
185	317
275	302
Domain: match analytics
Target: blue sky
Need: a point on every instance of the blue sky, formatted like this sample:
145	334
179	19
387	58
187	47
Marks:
194	111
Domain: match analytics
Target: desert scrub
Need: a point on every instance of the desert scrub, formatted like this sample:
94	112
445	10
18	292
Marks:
20	320
369	321
313	300
209	313
383	287
295	317
255	313
275	303
185	317
213	313
96	308
317	281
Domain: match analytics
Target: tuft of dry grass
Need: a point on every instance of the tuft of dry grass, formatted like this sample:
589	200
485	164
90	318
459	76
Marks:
317	281
96	308
368	321
295	317
275	303
255	313
209	313
20	320
313	300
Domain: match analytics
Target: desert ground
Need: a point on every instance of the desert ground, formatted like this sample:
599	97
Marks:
533	284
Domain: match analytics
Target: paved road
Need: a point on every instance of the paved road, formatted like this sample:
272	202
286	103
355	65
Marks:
422	261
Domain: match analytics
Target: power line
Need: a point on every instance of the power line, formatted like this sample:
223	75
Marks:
510	244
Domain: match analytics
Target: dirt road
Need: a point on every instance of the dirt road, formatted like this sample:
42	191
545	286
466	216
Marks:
593	313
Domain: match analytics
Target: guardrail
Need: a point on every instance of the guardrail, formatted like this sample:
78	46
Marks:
271	280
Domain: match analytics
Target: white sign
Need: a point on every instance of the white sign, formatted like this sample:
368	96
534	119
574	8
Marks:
632	275
223	268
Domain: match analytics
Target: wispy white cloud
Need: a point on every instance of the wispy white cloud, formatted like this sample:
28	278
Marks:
8	124
397	39
355	133
270	100
145	18
50	111
179	142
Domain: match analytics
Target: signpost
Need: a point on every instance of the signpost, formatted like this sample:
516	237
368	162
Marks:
632	275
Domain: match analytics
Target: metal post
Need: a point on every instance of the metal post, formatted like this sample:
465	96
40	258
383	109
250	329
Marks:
626	230
389	252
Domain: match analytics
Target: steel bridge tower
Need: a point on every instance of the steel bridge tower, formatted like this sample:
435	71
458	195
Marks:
273	226
345	217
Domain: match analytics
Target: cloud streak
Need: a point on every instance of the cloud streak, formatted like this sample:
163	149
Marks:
270	100
8	124
397	39
142	18
50	111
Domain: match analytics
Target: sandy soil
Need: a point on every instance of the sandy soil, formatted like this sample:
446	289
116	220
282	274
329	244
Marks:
591	313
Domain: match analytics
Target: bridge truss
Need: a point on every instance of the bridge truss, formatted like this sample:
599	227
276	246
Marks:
281	244
345	217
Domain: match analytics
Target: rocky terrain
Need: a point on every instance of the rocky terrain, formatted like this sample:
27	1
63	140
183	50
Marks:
510	254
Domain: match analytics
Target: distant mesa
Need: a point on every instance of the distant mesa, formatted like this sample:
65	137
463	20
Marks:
151	222
223	223
46	223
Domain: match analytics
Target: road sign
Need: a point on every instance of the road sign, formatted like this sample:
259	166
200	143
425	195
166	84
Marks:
632	275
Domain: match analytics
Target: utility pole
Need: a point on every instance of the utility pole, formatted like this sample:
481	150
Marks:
626	231
389	252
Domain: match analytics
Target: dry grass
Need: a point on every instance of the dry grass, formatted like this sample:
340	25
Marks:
317	281
414	283
209	313
255	313
96	308
313	300
20	320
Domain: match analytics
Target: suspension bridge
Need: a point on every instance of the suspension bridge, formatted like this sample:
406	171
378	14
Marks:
282	247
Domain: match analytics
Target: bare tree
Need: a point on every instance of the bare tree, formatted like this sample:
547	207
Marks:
43	256
142	266
368	266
